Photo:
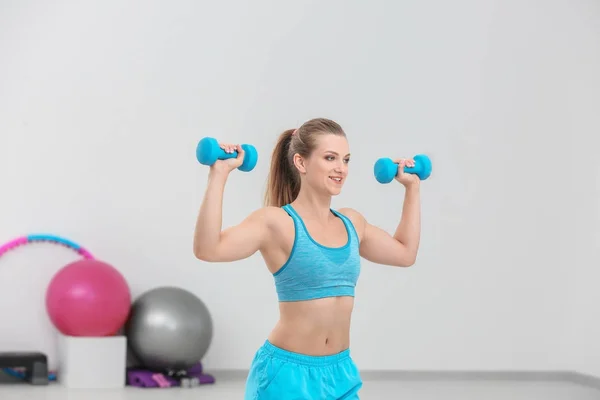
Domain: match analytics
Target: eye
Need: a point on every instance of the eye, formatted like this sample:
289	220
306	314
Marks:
329	158
347	160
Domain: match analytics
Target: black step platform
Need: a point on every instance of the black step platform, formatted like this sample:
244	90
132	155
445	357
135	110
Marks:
35	364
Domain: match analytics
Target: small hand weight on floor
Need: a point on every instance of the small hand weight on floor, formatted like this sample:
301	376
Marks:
386	169
208	152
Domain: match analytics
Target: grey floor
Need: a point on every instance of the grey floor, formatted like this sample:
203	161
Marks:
374	389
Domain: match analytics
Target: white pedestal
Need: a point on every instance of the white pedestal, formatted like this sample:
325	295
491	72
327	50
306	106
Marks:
92	362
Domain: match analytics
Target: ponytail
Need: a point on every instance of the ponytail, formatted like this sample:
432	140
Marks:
283	183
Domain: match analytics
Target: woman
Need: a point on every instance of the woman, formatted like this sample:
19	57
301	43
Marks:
314	255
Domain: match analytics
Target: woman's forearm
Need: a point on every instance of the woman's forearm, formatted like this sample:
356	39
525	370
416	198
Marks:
409	229
209	221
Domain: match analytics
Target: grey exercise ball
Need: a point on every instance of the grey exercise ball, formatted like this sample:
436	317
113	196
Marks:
169	328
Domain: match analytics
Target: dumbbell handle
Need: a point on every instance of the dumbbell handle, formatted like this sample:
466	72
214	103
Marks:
386	169
412	170
223	155
208	152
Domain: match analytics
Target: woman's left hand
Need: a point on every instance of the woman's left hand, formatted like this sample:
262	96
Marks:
403	177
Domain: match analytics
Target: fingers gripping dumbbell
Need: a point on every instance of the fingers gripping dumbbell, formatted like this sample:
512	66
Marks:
386	169
208	152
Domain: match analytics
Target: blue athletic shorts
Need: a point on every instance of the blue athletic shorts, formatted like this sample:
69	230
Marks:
279	374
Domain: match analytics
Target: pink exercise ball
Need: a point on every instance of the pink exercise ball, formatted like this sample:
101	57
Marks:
88	298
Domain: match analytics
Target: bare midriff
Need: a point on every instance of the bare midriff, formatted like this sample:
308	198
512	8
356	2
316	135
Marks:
314	327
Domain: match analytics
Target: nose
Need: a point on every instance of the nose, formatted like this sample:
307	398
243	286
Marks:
340	168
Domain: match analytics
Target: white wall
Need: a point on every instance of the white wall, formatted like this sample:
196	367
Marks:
584	209
101	108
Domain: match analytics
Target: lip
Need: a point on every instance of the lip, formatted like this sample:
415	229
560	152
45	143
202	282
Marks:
341	179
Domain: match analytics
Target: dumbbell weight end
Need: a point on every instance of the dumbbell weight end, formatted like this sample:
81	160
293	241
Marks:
385	169
208	152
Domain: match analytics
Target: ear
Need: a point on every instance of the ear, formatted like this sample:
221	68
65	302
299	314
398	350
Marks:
299	162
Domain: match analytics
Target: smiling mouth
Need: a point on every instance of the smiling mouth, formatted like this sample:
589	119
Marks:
336	179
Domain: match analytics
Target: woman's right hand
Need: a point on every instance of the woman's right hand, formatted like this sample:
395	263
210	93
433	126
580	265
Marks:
228	165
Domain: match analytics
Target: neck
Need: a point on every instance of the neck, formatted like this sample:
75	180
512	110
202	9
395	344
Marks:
313	205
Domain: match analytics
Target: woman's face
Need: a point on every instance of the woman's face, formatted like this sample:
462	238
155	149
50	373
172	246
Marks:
327	167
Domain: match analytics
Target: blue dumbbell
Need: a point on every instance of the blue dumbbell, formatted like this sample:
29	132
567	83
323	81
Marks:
386	169
208	152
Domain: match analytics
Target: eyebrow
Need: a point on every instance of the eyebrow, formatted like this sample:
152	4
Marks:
335	152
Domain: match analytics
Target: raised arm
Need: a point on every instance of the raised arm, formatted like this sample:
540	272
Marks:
400	249
211	243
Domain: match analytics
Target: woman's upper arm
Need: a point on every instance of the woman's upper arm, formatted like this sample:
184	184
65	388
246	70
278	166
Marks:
242	240
377	245
380	247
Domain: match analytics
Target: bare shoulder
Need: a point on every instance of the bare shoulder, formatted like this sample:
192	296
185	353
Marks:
279	228
351	213
271	216
358	220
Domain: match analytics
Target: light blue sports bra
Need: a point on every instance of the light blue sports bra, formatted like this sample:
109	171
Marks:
315	271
